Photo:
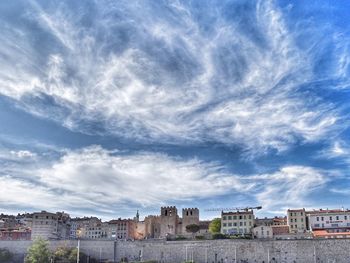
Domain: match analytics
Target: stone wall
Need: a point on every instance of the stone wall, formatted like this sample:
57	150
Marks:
226	251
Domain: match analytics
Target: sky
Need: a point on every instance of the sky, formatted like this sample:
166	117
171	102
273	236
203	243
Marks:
108	107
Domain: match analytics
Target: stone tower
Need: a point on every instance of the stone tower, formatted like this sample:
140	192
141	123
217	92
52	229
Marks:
168	221
189	216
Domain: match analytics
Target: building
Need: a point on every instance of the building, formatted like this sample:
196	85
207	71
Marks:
168	224
279	230
50	225
190	216
296	219
263	232
84	227
237	223
325	223
15	234
121	229
152	226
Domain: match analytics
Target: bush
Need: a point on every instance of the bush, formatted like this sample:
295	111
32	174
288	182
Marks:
200	237
5	255
180	238
219	236
39	252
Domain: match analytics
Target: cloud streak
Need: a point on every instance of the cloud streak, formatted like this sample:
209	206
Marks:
103	181
173	77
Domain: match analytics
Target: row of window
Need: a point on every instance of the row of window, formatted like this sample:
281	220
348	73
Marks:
296	220
236	217
236	224
296	226
332	225
331	218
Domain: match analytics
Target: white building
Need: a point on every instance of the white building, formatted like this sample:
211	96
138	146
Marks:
237	223
50	225
263	232
329	219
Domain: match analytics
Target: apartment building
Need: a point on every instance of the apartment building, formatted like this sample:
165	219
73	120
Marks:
237	223
122	229
296	219
332	223
50	225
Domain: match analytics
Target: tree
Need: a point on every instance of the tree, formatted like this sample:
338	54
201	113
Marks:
39	252
193	228
215	226
5	255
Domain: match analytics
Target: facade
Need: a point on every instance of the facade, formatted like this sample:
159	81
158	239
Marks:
168	224
325	223
169	221
121	229
263	232
296	219
50	225
237	223
279	230
82	227
190	216
152	226
15	234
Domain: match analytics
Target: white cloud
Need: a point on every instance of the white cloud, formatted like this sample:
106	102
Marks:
23	154
102	181
152	79
289	187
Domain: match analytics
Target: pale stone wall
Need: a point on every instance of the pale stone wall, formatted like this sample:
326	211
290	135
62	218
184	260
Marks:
252	251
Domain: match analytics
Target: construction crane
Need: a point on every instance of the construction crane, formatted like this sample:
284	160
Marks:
233	209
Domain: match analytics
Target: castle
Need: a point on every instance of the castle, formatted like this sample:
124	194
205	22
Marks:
168	223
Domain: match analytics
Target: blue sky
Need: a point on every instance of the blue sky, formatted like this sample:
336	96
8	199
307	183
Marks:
111	106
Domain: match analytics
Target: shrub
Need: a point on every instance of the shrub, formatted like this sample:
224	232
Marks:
39	252
5	255
219	236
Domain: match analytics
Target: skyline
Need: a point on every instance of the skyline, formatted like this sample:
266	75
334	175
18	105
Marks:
111	107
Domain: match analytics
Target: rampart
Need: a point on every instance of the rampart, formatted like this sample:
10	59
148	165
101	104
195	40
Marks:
211	251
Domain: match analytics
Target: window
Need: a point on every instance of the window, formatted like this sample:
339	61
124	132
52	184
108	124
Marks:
317	219
291	226
330	218
241	223
224	218
337	218
230	218
240	217
234	224
224	224
345	217
302	220
234	217
229	224
322	218
245	223
317	225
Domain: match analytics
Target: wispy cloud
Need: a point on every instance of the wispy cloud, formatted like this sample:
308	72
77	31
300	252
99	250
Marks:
102	181
172	77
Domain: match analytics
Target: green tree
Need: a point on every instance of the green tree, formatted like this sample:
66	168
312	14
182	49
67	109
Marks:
5	255
215	226
192	228
39	252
